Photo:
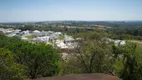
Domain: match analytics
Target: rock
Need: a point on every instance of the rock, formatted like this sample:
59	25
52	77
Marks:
82	77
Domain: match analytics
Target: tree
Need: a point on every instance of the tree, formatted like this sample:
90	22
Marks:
93	54
131	68
39	60
9	69
43	61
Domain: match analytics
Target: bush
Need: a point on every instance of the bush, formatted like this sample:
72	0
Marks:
39	60
9	69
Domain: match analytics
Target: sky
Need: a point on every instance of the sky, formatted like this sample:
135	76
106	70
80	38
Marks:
84	10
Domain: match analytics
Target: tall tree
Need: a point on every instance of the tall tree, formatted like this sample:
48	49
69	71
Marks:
130	61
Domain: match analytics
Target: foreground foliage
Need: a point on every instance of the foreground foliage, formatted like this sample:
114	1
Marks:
39	60
94	54
9	69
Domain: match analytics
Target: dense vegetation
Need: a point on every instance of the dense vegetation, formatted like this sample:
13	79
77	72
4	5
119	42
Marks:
129	33
33	60
21	59
94	54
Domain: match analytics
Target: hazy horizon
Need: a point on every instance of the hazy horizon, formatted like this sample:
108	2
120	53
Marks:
70	10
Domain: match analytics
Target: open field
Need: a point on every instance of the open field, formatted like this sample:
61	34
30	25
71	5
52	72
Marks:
139	45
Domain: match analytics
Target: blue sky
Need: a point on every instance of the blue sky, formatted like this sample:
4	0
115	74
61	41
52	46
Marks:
47	10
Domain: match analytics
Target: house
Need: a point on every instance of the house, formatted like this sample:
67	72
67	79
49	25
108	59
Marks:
116	42
2	30
68	45
55	35
45	33
61	44
36	31
68	39
17	31
25	32
58	33
9	30
51	32
11	35
119	42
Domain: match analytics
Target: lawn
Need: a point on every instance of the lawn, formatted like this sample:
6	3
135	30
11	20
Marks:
30	37
139	45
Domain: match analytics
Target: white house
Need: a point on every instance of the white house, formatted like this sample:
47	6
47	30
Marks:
26	32
17	31
11	35
9	30
2	30
68	39
55	35
119	42
61	44
116	42
36	31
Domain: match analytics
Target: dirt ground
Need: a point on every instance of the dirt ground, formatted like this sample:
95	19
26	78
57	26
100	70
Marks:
81	77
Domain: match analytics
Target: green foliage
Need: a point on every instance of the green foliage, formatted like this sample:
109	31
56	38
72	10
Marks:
96	35
130	68
56	28
95	56
128	33
139	47
39	60
70	66
30	37
9	69
92	55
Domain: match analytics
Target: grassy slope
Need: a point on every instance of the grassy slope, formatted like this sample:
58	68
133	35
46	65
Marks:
139	45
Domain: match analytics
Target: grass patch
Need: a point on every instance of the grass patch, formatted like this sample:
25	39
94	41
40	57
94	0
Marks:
61	38
30	37
139	48
139	45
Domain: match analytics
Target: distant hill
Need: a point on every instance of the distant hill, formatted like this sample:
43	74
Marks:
81	23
